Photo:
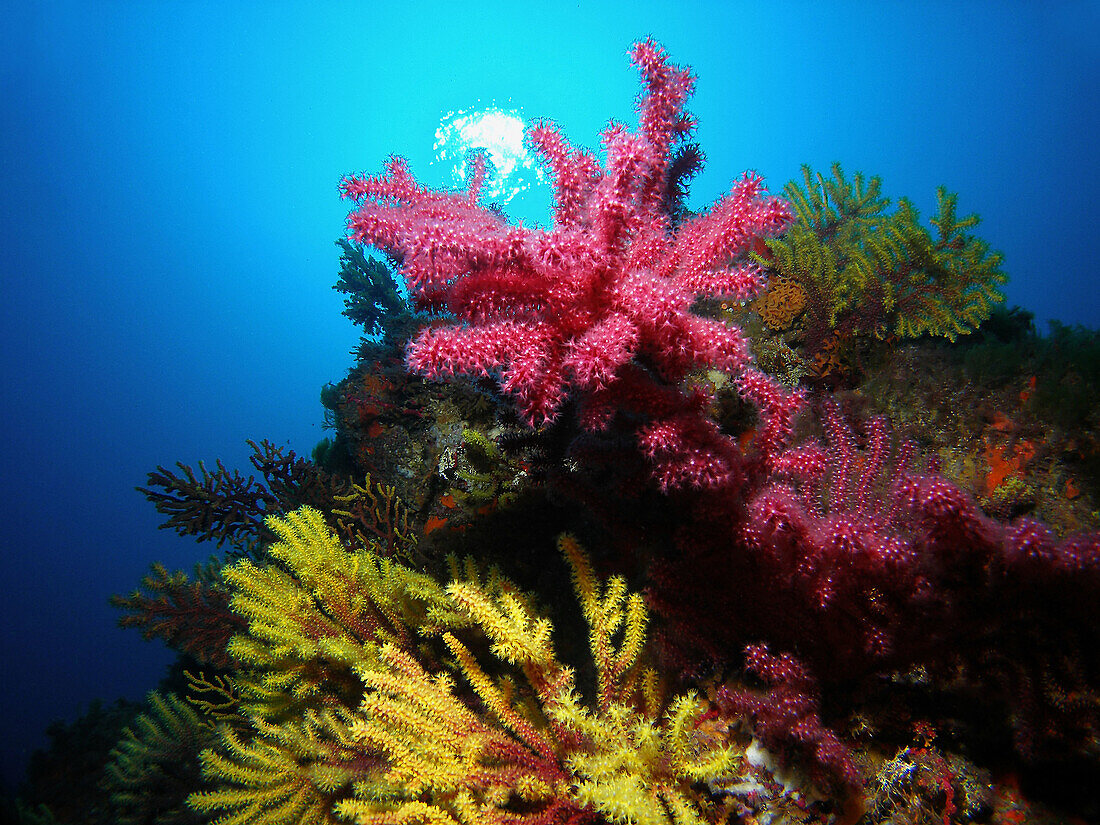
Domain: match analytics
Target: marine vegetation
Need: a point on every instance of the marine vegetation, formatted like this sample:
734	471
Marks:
155	764
788	612
861	267
366	702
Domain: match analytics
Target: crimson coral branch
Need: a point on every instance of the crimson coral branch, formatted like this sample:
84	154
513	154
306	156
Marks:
787	716
562	312
190	615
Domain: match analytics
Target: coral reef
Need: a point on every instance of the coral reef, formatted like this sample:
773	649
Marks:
788	614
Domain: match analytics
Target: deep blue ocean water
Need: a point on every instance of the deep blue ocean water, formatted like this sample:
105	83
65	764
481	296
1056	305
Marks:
169	176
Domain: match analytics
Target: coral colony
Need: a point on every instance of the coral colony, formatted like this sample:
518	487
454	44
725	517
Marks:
598	308
788	614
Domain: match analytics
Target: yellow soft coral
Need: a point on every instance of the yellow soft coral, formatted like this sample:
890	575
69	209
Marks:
542	745
867	269
433	733
288	774
321	610
640	770
608	609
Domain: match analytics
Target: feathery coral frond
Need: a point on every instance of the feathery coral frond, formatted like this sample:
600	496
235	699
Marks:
190	615
870	270
156	764
322	610
287	774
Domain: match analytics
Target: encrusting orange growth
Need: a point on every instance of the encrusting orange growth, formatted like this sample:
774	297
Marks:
784	301
1006	462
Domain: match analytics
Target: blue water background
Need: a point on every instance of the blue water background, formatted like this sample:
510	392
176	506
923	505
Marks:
169	202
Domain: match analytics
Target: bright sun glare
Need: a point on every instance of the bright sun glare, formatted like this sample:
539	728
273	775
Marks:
497	132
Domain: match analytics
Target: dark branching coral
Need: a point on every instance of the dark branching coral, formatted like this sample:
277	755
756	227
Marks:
373	299
223	506
292	480
191	616
220	506
374	516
